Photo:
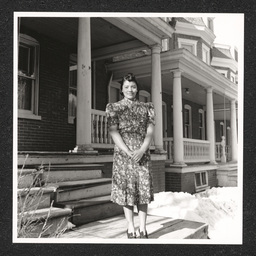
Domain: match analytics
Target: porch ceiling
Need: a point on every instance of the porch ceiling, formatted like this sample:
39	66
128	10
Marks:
65	30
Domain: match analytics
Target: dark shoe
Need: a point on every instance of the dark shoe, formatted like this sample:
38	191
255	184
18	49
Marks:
143	236
131	235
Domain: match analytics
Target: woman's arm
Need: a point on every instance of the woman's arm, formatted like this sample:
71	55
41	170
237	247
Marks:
113	130
137	154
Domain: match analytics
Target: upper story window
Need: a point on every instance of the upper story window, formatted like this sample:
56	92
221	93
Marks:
190	45
210	24
206	54
201	124
28	77
188	121
144	96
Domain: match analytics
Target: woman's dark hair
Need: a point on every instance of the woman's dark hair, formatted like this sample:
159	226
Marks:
130	78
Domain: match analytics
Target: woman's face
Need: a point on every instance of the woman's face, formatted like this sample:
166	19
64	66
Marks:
129	90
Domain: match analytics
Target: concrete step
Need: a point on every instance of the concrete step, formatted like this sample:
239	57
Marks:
30	199
71	172
92	209
75	190
158	227
28	177
47	222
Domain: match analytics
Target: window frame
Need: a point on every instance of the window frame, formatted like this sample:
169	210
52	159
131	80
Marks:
116	85
206	49
191	42
188	107
33	113
145	94
201	186
72	67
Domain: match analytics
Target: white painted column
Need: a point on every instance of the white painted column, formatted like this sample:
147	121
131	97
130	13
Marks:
156	93
233	131
84	92
210	126
178	150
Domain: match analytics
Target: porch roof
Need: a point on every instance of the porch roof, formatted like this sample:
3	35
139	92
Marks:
196	75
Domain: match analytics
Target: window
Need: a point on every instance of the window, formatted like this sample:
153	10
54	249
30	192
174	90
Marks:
144	96
72	92
206	54
188	121
28	77
190	45
221	130
114	92
201	180
201	124
210	24
164	113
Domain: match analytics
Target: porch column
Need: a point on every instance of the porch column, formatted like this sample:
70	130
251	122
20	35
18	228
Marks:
156	92
178	150
233	131
210	124
84	94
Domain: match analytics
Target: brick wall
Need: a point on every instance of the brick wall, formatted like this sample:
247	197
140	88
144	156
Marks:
185	182
53	132
158	173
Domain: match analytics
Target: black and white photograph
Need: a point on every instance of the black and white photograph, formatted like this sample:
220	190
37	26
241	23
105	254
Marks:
128	128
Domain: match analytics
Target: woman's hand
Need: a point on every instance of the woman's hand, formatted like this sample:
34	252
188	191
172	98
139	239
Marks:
129	153
137	155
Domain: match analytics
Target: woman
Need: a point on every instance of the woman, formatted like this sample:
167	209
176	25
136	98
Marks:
131	126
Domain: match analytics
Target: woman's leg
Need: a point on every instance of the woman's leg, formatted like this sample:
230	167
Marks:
129	215
142	212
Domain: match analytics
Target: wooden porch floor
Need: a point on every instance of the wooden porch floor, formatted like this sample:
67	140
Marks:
158	227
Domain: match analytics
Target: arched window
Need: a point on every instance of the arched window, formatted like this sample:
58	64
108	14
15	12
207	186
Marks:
188	121
28	77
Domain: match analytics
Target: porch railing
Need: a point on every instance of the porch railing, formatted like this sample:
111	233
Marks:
219	149
194	150
100	135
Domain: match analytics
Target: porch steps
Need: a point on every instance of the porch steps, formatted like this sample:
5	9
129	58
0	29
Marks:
227	175
83	189
34	198
46	222
75	190
91	209
71	172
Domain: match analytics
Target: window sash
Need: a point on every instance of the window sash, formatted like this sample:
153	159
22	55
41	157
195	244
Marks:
28	86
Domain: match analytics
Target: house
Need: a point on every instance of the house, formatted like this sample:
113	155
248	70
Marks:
69	68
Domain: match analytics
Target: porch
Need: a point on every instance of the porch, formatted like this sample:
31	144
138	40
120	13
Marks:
195	151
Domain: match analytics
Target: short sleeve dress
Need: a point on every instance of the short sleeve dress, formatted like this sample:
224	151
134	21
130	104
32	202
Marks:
131	182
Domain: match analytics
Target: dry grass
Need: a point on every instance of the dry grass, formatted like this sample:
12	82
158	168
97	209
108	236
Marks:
30	200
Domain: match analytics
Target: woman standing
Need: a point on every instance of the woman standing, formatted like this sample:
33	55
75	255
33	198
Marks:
131	125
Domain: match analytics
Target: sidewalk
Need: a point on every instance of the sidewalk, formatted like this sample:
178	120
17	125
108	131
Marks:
157	227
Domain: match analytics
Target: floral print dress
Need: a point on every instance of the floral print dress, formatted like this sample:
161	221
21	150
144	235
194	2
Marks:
131	182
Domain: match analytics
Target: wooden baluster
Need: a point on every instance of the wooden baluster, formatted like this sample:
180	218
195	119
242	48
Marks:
105	130
101	129
96	128
93	137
